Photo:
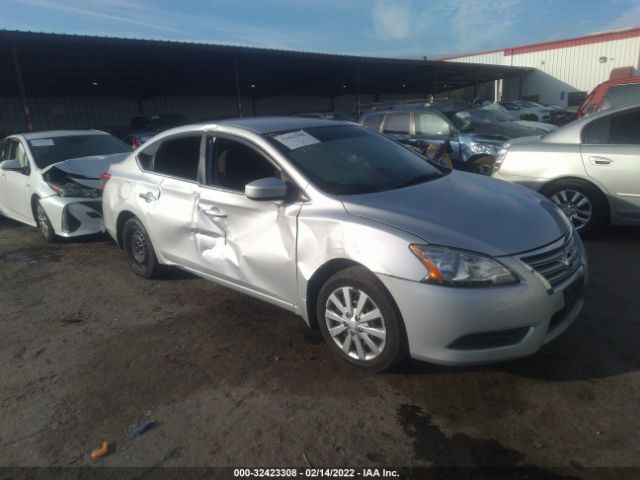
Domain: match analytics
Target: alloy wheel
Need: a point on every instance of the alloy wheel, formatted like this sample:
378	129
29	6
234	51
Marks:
355	323
43	221
575	205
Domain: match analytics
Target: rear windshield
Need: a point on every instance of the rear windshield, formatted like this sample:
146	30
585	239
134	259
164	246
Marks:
348	160
47	151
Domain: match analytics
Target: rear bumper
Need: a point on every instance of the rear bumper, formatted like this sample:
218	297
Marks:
73	217
464	326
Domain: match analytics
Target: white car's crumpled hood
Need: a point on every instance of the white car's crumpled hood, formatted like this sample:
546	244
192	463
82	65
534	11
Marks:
467	211
86	170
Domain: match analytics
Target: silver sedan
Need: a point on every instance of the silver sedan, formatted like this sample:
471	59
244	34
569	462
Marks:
385	253
590	168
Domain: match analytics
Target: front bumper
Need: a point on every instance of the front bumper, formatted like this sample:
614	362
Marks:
464	326
73	217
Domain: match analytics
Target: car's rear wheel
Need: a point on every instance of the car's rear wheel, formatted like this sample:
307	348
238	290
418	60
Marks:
483	165
140	252
359	320
583	204
44	225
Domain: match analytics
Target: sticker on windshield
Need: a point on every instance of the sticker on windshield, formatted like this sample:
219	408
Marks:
42	142
297	139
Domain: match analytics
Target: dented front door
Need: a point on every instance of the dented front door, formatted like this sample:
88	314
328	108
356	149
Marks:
249	243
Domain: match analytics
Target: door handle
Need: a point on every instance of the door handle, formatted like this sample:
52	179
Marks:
148	197
215	212
600	160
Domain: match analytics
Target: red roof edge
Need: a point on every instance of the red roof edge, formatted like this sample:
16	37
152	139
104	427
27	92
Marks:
567	42
574	42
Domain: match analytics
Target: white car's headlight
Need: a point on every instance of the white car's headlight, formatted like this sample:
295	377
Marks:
458	268
483	148
500	156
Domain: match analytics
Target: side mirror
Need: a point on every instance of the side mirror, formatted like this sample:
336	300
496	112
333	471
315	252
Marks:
266	189
11	166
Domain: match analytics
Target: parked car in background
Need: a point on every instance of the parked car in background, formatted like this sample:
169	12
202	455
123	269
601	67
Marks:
590	168
143	127
501	114
474	144
526	110
385	253
341	116
51	180
611	94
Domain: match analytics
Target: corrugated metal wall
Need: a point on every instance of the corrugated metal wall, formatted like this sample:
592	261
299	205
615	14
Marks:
567	69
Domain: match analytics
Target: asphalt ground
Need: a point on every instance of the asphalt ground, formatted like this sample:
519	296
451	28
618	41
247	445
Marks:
89	350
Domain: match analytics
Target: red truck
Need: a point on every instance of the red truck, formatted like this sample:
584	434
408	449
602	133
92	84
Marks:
613	93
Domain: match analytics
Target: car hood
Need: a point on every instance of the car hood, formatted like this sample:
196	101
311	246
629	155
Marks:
466	211
85	170
503	131
547	127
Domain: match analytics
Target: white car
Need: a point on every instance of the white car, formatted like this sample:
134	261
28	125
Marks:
51	180
505	116
524	108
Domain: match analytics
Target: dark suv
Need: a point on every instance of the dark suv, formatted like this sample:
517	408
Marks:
473	144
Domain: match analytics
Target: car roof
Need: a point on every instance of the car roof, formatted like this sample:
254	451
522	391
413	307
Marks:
59	133
262	125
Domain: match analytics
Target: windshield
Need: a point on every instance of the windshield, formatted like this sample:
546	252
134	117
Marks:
47	151
348	160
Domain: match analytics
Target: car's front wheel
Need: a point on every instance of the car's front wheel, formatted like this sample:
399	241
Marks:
483	165
359	320
583	204
140	252
44	225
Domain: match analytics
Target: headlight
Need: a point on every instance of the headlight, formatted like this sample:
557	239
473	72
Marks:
457	268
499	160
483	148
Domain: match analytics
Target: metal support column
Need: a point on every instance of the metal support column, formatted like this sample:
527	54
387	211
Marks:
358	90
21	89
238	97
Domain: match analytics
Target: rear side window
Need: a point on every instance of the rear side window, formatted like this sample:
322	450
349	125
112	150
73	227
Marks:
621	95
619	129
179	157
397	123
373	121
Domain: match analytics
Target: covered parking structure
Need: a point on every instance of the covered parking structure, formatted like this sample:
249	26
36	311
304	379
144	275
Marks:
73	81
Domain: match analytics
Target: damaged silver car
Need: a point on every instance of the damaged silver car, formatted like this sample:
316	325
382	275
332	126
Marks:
385	253
51	180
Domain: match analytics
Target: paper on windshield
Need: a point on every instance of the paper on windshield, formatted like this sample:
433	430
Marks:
297	139
42	142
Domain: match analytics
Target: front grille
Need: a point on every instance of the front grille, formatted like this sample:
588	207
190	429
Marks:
557	263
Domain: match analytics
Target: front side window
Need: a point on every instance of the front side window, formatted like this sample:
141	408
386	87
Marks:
348	160
179	157
397	123
21	155
47	151
234	164
431	125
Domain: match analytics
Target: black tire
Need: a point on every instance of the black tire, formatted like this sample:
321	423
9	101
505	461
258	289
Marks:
599	215
483	165
44	224
140	252
393	349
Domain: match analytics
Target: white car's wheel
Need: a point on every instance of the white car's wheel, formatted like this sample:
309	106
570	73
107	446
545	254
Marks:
44	225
